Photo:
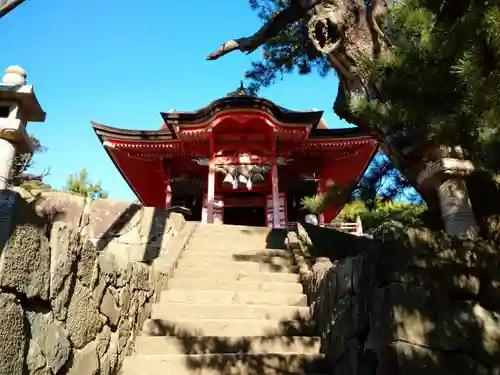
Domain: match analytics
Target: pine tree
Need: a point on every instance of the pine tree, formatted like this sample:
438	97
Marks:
426	74
79	184
291	51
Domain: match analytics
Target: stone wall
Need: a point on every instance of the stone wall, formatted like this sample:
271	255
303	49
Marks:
415	301
74	290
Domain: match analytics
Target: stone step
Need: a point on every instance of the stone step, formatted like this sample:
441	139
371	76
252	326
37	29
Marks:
226	228
250	256
235	274
223	364
155	345
223	264
172	311
241	254
202	283
227	240
230	297
227	327
224	243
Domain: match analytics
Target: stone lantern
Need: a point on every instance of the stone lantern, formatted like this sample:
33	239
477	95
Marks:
18	105
446	175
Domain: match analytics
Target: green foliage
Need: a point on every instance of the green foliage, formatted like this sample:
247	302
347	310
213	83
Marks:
372	213
22	162
313	204
440	80
411	215
335	196
79	184
289	52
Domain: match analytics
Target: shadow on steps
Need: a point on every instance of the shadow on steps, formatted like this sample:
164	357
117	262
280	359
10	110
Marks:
274	258
290	349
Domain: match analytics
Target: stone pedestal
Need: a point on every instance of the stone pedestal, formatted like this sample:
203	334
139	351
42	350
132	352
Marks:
447	177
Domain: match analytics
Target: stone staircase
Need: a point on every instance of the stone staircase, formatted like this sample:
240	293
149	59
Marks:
234	306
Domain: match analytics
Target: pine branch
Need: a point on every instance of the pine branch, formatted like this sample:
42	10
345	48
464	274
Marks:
8	5
297	10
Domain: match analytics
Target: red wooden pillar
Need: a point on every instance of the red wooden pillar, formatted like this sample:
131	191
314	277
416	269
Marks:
168	189
319	191
330	211
276	195
211	191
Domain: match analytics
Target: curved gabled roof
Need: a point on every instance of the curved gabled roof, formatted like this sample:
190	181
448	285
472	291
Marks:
105	132
146	176
204	114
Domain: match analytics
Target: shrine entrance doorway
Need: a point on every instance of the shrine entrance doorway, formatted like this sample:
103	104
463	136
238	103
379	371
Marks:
245	209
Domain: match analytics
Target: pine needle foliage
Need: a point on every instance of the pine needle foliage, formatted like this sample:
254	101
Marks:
289	52
410	215
440	80
79	184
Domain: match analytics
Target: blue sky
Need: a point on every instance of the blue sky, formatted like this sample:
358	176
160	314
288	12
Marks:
120	65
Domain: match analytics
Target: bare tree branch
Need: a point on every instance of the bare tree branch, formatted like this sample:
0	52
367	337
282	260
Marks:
297	10
7	5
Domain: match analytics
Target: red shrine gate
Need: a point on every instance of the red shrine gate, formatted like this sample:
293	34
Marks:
241	160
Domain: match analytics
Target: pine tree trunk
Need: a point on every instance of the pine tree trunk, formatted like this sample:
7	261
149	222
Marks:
349	32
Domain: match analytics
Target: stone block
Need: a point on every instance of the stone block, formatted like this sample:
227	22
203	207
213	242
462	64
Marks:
61	207
431	318
176	221
50	336
124	299
144	314
412	314
342	325
98	291
107	267
140	276
15	211
65	248
113	352
35	360
409	359
347	272
83	321
25	262
85	361
86	261
109	308
111	219
421	257
105	366
13	336
126	252
103	340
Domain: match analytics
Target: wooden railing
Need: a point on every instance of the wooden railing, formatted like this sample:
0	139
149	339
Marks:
355	228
